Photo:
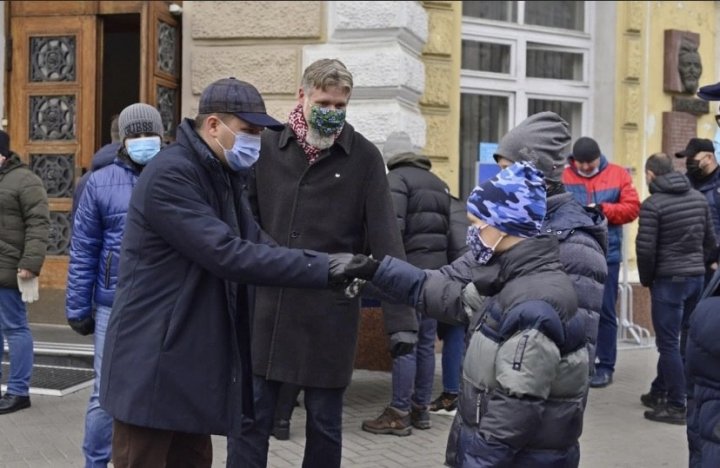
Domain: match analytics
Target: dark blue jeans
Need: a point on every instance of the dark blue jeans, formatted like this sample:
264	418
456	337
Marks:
452	356
323	430
673	300
607	329
413	373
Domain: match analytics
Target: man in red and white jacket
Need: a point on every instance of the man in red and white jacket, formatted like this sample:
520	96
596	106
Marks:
595	182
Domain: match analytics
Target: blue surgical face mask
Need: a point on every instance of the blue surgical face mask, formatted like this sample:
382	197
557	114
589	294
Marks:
142	150
481	251
244	152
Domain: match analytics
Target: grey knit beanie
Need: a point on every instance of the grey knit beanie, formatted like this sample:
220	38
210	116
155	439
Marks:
140	118
397	143
542	139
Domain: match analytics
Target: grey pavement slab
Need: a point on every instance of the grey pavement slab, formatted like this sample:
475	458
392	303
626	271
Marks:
616	434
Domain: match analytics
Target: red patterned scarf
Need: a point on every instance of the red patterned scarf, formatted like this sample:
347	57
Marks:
300	127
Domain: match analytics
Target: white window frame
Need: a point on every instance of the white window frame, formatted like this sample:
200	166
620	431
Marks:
515	84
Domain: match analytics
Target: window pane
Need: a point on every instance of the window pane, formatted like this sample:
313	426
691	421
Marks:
570	111
565	15
543	63
486	56
482	119
500	11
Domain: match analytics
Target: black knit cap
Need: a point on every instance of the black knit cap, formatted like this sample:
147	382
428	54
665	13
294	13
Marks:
4	144
232	96
586	150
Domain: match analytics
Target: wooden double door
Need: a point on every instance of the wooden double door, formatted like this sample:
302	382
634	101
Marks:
73	65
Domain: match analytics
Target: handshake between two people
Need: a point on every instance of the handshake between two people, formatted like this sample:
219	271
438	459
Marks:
344	267
353	271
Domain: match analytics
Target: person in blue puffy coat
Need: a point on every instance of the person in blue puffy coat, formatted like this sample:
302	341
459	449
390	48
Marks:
98	228
702	359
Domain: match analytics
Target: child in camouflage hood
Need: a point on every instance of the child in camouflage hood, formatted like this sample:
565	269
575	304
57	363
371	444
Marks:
525	368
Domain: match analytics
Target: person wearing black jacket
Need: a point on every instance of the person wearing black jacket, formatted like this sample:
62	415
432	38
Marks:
674	243
422	208
452	336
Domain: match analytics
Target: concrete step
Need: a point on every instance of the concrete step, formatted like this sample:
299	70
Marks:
62	361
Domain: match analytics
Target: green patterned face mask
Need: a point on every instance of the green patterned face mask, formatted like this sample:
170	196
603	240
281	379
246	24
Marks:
325	120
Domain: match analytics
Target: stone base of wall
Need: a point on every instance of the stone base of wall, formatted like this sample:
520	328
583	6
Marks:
372	348
50	308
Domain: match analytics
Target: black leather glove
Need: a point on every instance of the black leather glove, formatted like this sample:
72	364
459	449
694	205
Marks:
337	264
362	266
402	342
84	326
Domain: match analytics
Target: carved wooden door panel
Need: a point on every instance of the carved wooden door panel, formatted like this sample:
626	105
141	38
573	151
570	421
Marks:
160	75
52	114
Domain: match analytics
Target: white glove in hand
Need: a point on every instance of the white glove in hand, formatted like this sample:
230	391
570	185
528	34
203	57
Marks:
29	289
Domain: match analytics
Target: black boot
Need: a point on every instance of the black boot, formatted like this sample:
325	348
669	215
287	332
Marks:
11	403
281	430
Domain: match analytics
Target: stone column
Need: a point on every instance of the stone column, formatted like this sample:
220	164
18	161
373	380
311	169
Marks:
440	103
381	44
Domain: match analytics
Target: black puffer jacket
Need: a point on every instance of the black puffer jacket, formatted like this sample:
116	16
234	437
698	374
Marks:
422	207
676	235
583	236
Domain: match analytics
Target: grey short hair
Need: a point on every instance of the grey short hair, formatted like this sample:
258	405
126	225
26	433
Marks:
325	73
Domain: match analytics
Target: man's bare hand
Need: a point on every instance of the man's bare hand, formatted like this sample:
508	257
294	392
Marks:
25	274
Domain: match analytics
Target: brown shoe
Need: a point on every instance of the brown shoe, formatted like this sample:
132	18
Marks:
391	421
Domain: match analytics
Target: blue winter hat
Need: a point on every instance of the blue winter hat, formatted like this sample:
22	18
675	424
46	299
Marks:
514	201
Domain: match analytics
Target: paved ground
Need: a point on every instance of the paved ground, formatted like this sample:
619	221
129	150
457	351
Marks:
616	434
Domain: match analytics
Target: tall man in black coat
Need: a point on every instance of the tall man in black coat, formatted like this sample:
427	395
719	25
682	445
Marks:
319	185
177	352
674	243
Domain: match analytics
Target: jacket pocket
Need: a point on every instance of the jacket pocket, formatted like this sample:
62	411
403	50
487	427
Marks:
7	250
108	265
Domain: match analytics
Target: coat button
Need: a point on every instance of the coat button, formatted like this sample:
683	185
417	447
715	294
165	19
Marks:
294	234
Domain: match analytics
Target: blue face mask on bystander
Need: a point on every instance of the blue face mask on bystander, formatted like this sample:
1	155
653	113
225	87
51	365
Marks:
142	150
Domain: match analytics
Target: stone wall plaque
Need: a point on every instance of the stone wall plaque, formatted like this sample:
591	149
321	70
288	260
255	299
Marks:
690	105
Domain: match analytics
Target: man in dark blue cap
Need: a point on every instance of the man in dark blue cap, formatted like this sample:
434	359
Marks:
702	170
177	352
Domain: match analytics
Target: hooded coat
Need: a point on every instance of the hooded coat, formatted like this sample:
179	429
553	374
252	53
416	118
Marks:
24	221
422	209
676	235
98	229
525	369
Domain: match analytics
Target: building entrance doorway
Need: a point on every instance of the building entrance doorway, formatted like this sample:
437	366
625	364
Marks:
73	66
